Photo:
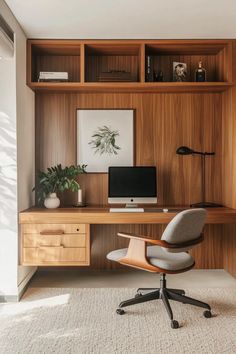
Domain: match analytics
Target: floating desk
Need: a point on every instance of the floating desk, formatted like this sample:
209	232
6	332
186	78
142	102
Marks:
62	236
101	215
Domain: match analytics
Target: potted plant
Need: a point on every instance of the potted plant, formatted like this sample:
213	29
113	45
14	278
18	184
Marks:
57	179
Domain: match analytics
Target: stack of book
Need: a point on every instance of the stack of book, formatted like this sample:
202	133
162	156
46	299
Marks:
116	76
53	76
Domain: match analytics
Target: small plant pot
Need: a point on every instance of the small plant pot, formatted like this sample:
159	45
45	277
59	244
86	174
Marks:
52	201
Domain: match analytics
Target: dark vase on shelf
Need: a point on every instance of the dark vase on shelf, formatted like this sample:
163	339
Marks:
158	76
200	73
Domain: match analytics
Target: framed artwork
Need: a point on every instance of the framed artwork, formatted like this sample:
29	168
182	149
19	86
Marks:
179	71
105	137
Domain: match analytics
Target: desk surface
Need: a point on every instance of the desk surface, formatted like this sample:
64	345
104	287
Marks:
101	215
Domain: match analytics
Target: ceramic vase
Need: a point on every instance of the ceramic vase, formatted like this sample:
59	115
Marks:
52	201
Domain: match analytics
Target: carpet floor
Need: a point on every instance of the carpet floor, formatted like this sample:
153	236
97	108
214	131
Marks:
84	321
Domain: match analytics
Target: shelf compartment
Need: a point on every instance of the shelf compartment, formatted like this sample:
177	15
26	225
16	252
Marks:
103	57
214	58
54	56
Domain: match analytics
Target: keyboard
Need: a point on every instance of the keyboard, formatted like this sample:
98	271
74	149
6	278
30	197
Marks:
126	210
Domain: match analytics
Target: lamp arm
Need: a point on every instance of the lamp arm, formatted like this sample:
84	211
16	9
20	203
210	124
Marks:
202	153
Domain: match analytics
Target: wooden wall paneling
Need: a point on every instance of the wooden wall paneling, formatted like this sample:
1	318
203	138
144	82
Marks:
165	64
229	248
69	63
229	168
82	63
142	63
209	253
163	122
228	141
95	64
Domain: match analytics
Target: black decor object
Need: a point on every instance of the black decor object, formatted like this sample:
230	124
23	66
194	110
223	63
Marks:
149	69
184	150
200	73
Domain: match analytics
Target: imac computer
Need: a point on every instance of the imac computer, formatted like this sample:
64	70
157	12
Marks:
132	186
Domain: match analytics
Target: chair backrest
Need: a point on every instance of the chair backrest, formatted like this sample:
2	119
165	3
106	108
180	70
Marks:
185	226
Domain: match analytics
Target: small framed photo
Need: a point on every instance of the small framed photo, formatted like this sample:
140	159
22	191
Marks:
179	71
105	137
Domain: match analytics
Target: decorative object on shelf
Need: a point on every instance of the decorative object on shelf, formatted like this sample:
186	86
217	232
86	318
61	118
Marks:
158	76
200	73
184	150
105	138
57	179
81	198
116	76
149	68
52	201
179	71
53	76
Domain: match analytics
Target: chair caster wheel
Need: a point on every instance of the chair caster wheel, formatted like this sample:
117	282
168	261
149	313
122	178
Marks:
120	311
207	314
174	324
138	295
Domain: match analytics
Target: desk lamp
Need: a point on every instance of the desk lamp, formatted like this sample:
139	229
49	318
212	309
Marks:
184	150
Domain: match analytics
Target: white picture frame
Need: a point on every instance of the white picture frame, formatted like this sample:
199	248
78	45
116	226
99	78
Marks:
105	137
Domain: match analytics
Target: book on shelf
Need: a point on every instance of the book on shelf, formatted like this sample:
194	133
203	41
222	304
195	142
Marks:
53	76
116	76
53	80
149	69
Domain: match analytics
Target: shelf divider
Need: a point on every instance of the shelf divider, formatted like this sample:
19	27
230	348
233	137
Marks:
142	63
82	63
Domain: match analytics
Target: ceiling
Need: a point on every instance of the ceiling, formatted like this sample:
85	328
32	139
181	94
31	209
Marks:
126	18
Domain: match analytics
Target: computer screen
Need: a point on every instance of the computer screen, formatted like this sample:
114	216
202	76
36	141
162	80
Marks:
132	184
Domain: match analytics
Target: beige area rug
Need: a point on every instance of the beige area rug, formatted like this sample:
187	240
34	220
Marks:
83	321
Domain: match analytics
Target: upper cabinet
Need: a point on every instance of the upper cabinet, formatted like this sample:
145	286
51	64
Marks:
130	65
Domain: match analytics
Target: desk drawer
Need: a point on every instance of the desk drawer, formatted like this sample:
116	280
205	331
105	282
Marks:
65	240
54	228
53	255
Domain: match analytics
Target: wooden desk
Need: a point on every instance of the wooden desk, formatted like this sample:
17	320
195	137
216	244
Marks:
101	215
62	236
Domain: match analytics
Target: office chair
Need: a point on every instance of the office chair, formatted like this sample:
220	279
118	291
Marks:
168	256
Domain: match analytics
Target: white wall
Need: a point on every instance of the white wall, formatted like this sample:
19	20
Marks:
16	158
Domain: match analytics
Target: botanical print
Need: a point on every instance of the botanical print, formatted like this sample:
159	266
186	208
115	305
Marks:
105	137
104	141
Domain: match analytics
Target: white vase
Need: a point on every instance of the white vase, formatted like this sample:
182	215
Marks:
52	201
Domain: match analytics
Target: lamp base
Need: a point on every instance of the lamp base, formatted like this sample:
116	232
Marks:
206	205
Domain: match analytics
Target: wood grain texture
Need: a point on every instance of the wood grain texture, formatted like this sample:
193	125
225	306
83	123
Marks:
229	168
95	65
70	64
228	138
105	226
128	87
91	57
203	121
229	249
100	215
163	122
68	247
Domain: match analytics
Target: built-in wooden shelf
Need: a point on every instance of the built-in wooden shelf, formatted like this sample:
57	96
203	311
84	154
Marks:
132	87
84	60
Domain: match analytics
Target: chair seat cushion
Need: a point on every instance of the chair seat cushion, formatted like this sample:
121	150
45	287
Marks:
159	258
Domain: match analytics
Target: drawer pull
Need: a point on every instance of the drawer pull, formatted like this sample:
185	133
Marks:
56	232
50	246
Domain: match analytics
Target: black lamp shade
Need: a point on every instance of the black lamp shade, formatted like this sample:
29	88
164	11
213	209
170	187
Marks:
184	150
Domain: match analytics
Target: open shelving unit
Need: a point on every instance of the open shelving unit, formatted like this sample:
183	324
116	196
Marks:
86	60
